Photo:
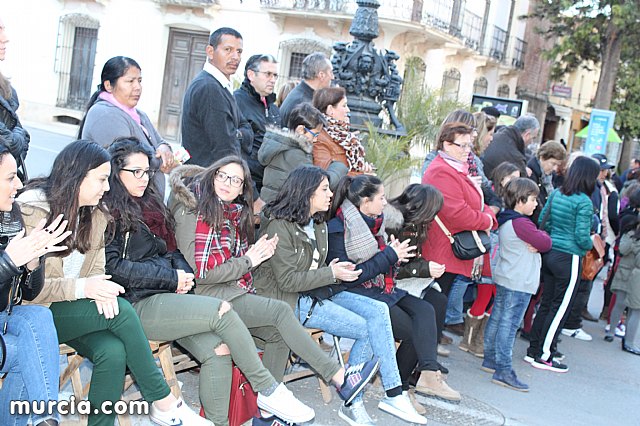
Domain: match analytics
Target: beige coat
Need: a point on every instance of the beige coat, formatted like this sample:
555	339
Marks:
57	288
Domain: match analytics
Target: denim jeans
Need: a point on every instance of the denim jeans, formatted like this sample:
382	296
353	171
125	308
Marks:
363	319
455	300
32	362
508	311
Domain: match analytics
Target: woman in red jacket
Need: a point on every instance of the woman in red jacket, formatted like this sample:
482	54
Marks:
463	210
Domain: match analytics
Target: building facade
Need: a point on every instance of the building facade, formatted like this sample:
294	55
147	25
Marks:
58	47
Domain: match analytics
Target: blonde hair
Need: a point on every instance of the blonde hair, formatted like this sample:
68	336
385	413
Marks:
484	124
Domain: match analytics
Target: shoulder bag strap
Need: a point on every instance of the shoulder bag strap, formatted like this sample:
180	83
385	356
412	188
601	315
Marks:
444	229
545	218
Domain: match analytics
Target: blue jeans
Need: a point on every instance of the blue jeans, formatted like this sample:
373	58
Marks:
508	311
32	363
347	315
455	300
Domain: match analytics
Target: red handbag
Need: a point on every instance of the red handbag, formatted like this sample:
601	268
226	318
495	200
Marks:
243	401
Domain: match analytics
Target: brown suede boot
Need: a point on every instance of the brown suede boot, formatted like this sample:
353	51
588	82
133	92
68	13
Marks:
477	343
418	407
471	326
432	383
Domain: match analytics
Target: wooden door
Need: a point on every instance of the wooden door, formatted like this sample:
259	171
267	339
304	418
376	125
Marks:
185	58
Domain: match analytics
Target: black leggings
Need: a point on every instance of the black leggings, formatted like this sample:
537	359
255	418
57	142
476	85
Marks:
438	301
414	323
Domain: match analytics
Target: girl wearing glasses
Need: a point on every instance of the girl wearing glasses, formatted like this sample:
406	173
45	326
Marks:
214	230
284	150
158	281
87	311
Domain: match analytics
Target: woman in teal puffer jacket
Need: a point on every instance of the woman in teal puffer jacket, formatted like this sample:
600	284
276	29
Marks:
567	219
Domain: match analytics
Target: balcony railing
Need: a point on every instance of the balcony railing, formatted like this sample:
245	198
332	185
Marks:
471	30
518	50
437	14
498	44
327	6
186	3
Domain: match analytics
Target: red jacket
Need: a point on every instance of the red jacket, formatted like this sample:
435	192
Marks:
463	210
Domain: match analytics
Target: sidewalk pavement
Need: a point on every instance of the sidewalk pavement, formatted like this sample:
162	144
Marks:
602	387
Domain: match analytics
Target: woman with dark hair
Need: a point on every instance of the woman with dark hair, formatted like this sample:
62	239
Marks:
212	208
357	234
310	286
464	209
144	259
336	142
28	344
567	219
13	135
111	113
284	150
87	312
408	216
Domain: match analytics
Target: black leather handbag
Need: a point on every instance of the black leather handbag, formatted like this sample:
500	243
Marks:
467	245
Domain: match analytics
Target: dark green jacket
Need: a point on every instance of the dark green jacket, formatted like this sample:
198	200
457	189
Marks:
287	273
569	223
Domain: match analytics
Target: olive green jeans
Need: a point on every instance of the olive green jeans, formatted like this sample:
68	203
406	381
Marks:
195	323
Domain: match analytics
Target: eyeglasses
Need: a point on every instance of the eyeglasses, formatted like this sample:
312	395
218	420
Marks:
139	173
270	74
234	181
465	146
312	133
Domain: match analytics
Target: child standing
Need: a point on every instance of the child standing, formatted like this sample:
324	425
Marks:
517	276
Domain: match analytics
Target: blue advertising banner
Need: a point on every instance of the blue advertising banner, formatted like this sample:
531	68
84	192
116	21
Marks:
599	124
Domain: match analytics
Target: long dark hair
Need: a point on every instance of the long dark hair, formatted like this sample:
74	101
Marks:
293	202
122	205
419	204
210	205
355	189
581	177
112	70
13	215
62	188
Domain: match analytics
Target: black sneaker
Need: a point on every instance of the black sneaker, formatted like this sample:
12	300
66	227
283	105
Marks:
552	365
557	356
356	378
269	421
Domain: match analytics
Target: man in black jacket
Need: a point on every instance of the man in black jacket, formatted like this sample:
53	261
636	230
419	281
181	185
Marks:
509	145
212	125
317	73
255	98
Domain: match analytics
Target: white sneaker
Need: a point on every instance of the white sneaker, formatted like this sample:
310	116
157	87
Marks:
283	404
577	333
621	330
355	414
179	414
401	407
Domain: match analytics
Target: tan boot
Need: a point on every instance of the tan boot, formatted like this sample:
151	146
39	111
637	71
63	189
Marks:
432	383
418	407
471	325
477	343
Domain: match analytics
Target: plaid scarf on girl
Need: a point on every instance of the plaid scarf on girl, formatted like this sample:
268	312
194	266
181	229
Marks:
213	247
363	242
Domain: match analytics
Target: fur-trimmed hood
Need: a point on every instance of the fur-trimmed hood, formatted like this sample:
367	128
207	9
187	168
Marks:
393	218
277	140
178	180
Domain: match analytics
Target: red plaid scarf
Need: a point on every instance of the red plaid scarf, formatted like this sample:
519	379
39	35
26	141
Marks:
213	247
362	247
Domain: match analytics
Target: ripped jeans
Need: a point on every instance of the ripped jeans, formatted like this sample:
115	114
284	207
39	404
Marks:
195	323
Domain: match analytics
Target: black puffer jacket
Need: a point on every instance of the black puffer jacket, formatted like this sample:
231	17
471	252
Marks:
139	261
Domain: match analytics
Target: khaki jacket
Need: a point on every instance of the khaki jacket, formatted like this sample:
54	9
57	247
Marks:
221	281
57	288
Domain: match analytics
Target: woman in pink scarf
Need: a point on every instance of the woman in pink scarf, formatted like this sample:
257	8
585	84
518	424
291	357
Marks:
112	114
